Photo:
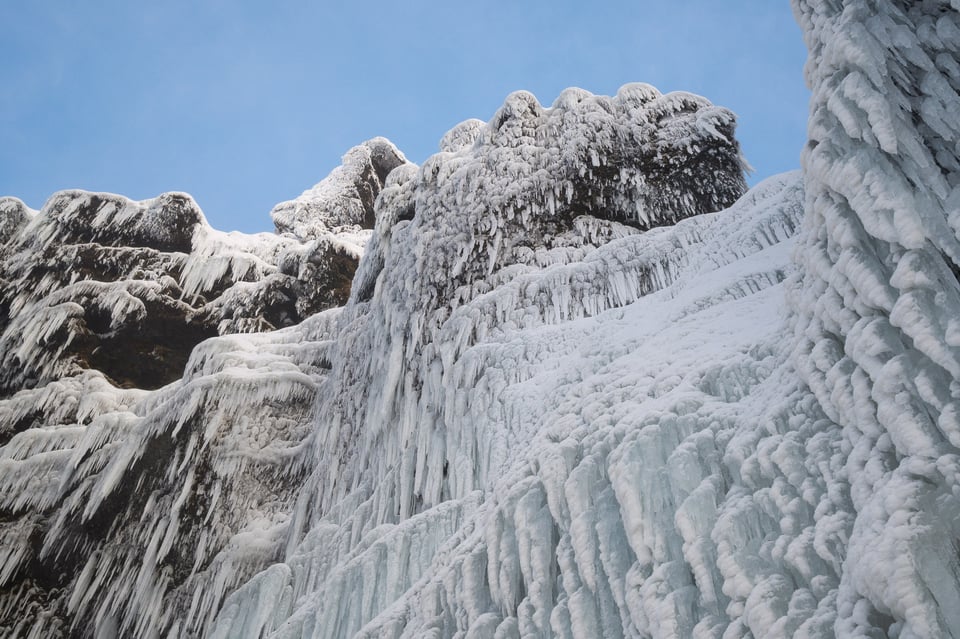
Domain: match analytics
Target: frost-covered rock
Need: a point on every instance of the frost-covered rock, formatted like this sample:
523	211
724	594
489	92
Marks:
131	511
534	186
14	214
343	201
98	281
563	399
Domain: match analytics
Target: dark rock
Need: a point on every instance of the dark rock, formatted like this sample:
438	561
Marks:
96	280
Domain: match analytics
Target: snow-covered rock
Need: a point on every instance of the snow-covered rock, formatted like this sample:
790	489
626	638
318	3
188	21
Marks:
14	214
343	201
95	280
577	391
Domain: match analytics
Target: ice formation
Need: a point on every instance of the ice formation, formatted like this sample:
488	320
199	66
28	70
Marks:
876	312
581	387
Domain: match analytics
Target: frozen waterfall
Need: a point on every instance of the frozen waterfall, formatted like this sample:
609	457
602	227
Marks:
584	385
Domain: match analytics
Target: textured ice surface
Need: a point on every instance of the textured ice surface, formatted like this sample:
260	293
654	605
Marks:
152	508
875	314
528	485
564	399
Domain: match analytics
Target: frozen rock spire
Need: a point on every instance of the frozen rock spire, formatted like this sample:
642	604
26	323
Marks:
877	313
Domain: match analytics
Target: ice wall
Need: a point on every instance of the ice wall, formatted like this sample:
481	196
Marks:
313	443
500	231
566	474
786	468
876	313
127	512
511	387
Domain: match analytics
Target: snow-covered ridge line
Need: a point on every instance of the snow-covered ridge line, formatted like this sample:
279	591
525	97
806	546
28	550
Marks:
94	277
639	157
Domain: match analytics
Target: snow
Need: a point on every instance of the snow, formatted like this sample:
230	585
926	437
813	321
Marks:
581	388
342	203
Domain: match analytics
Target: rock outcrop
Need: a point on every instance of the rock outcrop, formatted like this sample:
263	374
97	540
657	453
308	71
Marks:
97	281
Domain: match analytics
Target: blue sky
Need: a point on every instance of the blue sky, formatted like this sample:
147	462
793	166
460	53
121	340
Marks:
245	104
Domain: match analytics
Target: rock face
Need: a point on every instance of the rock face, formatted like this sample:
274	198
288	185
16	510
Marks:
344	200
563	399
96	281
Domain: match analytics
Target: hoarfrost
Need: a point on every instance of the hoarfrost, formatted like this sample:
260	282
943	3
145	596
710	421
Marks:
94	277
577	391
343	201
